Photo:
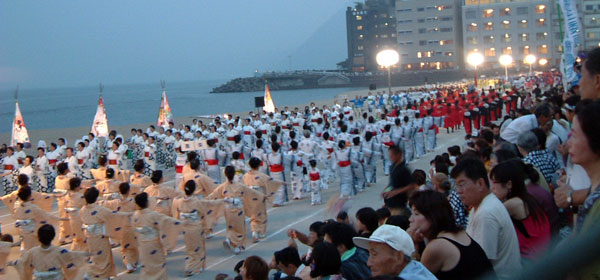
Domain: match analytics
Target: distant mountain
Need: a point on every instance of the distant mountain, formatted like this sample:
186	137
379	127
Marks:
323	49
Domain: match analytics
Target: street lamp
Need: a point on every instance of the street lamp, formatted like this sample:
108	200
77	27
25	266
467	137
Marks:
475	59
387	59
530	59
506	60
543	62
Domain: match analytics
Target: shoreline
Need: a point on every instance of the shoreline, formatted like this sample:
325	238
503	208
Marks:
74	133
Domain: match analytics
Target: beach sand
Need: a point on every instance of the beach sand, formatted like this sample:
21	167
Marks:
74	133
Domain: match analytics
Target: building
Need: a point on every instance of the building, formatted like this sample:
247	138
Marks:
371	27
590	13
520	28
429	34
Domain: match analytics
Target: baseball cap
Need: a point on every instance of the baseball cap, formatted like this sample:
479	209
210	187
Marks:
393	236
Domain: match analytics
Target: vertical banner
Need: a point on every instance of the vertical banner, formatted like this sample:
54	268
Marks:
164	112
571	40
19	131
269	106
100	125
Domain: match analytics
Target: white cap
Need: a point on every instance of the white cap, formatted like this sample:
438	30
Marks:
393	236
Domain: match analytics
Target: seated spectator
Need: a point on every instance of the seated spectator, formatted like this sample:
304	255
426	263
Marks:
354	260
400	221
450	252
529	219
342	217
288	261
314	238
326	262
390	248
254	268
529	147
489	222
383	214
454	152
420	179
441	183
366	221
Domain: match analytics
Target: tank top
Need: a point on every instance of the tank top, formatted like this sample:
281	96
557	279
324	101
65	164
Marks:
473	262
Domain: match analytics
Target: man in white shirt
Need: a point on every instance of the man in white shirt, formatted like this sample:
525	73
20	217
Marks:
288	262
489	222
542	116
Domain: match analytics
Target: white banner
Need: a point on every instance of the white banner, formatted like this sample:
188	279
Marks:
19	131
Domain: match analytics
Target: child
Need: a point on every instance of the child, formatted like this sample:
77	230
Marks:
315	183
6	242
240	166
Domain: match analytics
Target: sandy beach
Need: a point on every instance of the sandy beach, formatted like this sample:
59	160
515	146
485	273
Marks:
74	133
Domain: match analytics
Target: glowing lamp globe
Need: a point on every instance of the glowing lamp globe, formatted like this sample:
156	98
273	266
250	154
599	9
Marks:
543	61
530	59
387	58
505	60
475	59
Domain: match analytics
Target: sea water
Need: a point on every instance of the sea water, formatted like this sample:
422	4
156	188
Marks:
133	104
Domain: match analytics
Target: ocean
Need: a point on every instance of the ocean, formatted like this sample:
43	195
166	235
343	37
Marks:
132	104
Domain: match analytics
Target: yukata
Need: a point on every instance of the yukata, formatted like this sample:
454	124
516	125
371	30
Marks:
74	202
210	158
51	263
140	179
126	232
358	170
419	138
28	219
267	185
430	129
149	159
260	154
239	200
109	188
240	169
43	176
370	151
407	139
9	165
65	231
192	212
42	200
346	175
327	146
83	165
276	170
315	186
293	159
386	141
164	197
97	222
156	234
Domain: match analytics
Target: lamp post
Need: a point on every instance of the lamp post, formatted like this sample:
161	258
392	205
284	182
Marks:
475	59
387	59
505	60
530	59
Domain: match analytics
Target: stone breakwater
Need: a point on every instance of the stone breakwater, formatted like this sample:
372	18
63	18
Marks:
324	79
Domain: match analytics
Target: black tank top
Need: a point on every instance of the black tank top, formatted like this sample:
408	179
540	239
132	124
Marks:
473	263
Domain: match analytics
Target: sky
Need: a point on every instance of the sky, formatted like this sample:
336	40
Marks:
77	43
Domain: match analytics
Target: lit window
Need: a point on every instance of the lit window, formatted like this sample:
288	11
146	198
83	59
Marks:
488	13
490	52
524	37
543	49
489	26
541	35
540	9
419	55
360	27
525	50
541	22
505	12
523	23
507	38
472	27
507	50
358	17
488	39
360	48
505	24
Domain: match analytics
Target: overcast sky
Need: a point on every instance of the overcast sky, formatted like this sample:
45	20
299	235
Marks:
73	43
